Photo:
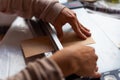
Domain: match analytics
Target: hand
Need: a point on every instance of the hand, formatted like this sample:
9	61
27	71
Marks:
77	59
68	16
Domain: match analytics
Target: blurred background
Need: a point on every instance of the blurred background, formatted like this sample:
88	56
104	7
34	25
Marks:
110	8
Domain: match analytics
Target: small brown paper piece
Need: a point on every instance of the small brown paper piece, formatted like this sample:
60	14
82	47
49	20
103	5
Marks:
71	38
37	46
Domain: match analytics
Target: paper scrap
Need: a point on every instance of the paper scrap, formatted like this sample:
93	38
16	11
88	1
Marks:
71	38
37	46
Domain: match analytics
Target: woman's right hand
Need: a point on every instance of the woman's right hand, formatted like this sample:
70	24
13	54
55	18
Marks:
69	16
77	59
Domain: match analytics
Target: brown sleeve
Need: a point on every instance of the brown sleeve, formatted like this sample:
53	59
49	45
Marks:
46	10
44	69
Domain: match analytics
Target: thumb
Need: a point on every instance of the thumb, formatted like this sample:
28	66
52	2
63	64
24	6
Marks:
59	32
96	75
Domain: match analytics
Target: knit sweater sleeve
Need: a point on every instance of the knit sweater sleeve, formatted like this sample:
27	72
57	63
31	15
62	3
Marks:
46	10
44	69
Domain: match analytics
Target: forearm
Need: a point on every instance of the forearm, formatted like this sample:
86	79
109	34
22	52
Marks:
46	10
44	69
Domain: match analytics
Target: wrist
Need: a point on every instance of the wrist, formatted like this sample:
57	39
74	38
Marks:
65	63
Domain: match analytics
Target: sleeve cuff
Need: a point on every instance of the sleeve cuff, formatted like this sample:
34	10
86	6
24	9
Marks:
57	73
58	69
52	13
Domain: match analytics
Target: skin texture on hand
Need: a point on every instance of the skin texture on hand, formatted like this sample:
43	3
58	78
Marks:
77	59
68	16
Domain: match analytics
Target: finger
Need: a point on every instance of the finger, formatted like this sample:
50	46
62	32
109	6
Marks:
84	30
83	26
96	75
77	29
81	35
96	69
59	32
95	57
87	33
